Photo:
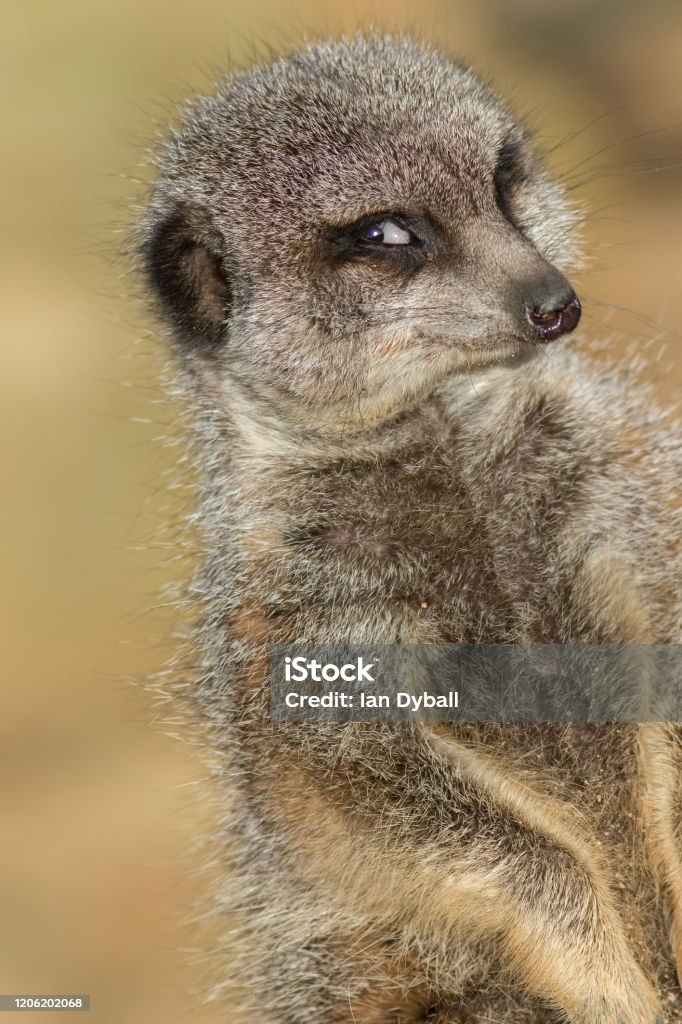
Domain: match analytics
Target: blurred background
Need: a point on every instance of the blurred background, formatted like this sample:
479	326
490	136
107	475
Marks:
99	804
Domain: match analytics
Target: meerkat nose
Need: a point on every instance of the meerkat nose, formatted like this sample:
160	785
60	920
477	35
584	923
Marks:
555	315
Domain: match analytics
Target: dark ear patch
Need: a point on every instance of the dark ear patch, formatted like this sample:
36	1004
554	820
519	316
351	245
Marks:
510	173
184	265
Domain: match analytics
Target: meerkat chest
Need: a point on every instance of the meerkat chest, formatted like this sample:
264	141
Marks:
417	537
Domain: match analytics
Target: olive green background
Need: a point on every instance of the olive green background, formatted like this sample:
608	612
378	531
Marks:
98	807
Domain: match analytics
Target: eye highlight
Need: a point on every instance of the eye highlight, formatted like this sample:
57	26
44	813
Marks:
387	232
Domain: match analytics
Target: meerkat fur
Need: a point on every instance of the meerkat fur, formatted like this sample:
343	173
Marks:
400	444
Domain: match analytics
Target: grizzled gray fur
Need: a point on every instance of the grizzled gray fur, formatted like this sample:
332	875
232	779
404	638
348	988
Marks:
365	272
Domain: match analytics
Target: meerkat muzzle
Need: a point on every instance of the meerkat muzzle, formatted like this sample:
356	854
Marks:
552	319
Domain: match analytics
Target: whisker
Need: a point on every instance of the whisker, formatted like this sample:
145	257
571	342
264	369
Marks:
628	169
647	321
570	136
620	142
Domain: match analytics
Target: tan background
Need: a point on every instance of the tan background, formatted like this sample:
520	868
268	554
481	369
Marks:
97	808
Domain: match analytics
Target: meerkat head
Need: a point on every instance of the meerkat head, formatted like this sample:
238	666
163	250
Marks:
333	235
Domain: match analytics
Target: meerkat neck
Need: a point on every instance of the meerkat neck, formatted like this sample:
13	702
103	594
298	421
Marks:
272	441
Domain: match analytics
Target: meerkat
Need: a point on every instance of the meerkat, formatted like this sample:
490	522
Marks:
365	270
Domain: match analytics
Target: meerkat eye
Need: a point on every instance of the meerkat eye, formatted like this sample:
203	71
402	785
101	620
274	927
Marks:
387	232
383	239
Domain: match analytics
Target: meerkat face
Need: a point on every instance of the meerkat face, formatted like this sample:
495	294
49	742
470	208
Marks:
335	234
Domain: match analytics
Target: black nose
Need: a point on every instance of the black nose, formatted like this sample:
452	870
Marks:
554	315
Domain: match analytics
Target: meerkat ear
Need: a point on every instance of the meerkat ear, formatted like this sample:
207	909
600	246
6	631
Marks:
183	259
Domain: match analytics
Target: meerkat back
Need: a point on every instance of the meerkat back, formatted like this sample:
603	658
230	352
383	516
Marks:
365	272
